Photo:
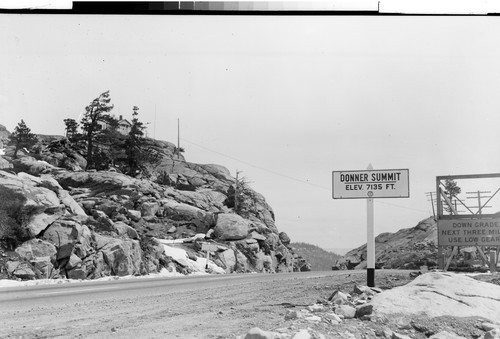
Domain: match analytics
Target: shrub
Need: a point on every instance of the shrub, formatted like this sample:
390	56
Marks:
11	205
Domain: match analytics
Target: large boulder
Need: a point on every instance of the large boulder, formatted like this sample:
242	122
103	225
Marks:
109	207
126	230
44	268
446	292
231	227
70	235
228	257
102	181
21	269
102	222
70	203
149	209
31	165
36	248
122	255
285	239
38	222
4	164
185	213
26	185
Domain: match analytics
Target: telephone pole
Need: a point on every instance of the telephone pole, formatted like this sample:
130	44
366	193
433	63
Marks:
432	203
178	139
479	195
236	193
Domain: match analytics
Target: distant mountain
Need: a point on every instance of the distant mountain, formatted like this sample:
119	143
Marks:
341	251
319	259
408	248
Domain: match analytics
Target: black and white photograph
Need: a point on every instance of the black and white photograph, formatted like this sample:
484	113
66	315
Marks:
255	171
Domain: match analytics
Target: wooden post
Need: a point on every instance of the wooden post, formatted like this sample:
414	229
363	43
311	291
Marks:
453	253
236	193
454	211
498	255
493	264
432	203
440	257
208	258
439	213
483	256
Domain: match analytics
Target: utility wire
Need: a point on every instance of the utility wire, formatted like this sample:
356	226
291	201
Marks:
289	177
399	206
258	167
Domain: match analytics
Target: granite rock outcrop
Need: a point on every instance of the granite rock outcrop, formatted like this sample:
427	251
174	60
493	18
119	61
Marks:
101	223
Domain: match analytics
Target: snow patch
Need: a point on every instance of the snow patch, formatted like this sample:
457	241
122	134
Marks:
177	254
198	266
183	240
39	282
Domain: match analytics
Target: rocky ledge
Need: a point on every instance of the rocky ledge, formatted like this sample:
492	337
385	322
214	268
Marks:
90	224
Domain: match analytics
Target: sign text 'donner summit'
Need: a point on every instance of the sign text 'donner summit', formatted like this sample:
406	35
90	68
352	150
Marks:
390	183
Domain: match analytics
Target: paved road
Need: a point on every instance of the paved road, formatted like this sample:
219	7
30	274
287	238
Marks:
209	306
20	297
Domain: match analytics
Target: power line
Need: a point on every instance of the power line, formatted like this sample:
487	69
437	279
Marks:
292	178
379	201
258	167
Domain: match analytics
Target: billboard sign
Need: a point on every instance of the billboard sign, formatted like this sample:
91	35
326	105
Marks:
388	183
469	232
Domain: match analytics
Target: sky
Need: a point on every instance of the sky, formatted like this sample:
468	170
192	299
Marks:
284	100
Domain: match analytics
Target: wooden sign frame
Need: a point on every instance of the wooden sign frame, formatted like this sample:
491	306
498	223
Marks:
443	221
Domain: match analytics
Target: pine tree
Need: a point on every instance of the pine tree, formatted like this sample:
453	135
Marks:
95	113
137	151
134	143
452	190
71	128
22	137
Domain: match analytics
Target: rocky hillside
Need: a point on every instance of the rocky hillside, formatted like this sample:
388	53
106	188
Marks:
61	221
318	258
407	248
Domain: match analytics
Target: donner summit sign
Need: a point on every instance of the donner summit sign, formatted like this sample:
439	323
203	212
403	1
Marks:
391	183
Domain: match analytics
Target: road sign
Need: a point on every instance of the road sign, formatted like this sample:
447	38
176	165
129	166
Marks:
369	184
388	183
209	247
469	232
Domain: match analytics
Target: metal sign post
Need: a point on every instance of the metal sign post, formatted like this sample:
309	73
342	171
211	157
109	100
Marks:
370	184
208	248
370	242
